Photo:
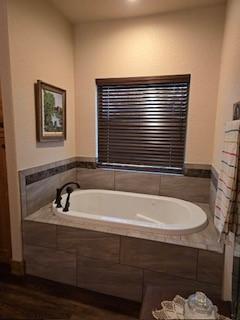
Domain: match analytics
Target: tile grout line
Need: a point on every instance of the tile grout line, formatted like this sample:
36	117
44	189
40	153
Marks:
197	262
159	186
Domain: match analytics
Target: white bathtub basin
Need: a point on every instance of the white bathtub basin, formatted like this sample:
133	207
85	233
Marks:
168	215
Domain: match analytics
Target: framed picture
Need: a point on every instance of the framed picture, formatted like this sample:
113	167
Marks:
236	111
50	112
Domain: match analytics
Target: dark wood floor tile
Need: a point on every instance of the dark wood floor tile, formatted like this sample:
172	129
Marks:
26	297
21	302
160	257
109	278
88	243
91	313
30	305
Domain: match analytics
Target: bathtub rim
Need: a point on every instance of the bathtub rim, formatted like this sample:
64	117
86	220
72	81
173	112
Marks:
137	227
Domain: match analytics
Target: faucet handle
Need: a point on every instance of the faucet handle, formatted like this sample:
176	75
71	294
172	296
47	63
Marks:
58	194
67	204
58	198
69	190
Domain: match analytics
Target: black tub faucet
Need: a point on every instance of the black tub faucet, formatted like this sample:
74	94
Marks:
60	190
67	204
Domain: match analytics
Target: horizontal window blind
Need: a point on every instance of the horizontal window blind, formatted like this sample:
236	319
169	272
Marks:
142	122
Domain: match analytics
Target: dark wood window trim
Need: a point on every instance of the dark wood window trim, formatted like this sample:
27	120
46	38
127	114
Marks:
143	80
113	121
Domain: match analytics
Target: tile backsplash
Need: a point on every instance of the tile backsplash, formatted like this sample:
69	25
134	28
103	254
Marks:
39	184
183	187
213	189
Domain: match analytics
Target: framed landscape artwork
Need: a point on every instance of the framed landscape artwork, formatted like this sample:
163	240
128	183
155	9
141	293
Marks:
50	112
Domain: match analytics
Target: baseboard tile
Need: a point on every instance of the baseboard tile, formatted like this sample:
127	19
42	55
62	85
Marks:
18	268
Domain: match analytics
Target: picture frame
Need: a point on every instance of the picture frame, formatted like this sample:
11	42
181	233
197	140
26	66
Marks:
236	111
50	104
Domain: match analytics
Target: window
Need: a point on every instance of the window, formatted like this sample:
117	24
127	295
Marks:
142	122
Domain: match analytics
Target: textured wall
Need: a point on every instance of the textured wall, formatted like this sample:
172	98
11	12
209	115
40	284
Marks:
41	47
36	43
229	90
176	43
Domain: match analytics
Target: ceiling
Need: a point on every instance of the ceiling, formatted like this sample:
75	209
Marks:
91	10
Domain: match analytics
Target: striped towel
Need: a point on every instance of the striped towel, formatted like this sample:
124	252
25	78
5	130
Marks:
227	208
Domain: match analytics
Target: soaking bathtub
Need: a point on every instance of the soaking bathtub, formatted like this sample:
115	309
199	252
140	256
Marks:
137	211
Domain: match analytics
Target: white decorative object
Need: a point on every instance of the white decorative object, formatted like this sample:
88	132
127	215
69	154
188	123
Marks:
180	308
198	306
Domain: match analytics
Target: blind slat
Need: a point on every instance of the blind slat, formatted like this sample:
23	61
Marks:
142	122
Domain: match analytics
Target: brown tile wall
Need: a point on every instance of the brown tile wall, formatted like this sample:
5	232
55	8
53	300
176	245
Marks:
213	189
117	265
160	257
183	187
38	185
51	264
91	244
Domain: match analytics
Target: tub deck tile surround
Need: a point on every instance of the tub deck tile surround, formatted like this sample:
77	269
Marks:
206	239
51	264
123	264
206	272
140	262
120	265
43	235
68	250
110	278
161	257
88	243
207	235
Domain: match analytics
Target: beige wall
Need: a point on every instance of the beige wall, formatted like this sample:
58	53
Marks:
10	141
36	43
229	87
176	43
41	47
